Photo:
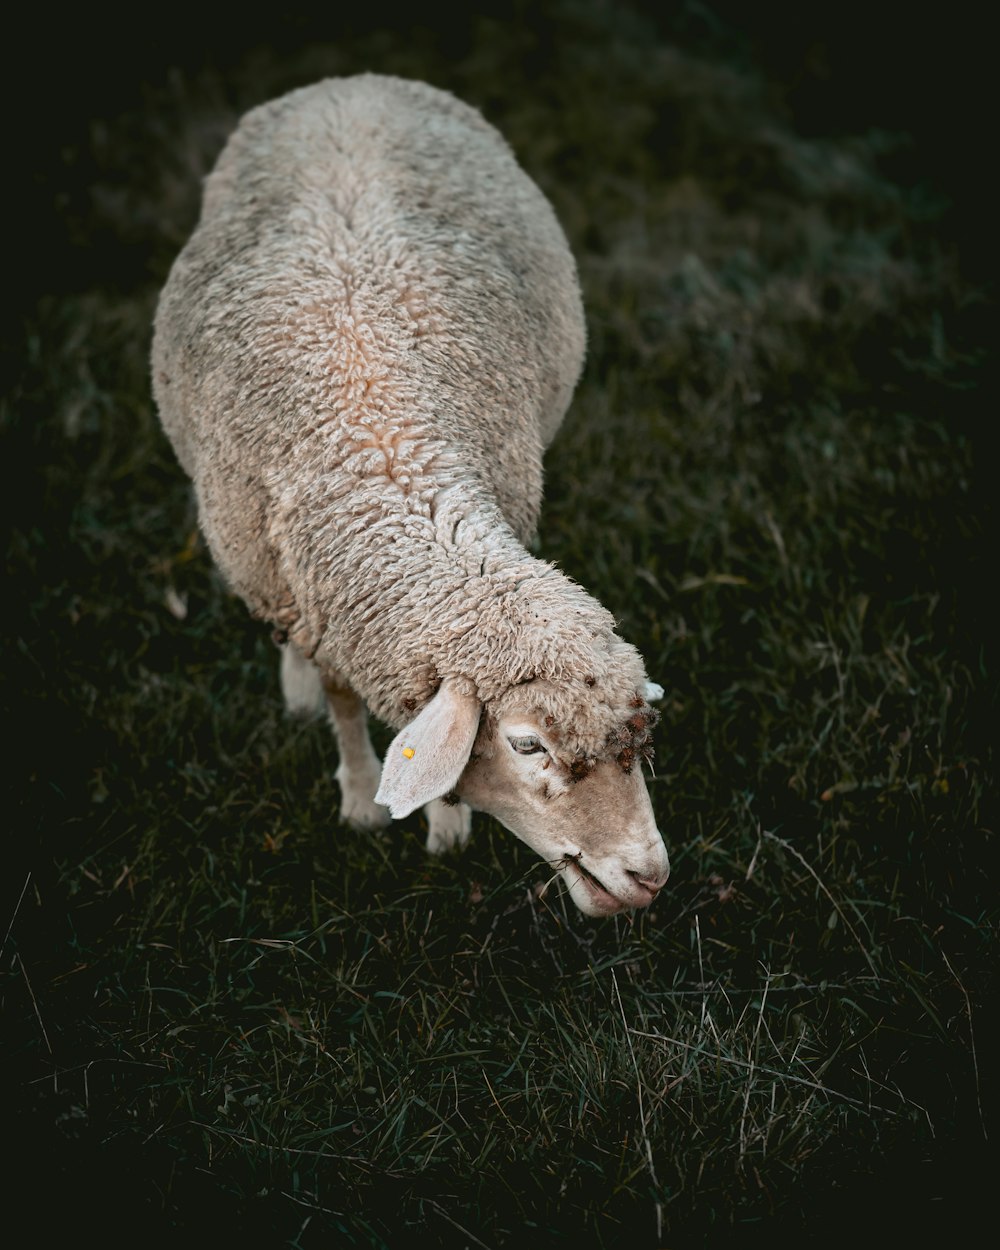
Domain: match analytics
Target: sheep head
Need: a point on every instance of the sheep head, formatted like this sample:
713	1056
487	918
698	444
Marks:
586	811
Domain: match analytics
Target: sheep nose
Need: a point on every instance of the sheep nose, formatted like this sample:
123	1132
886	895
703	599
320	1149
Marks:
653	884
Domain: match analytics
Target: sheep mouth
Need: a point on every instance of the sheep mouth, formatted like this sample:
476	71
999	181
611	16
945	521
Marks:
600	896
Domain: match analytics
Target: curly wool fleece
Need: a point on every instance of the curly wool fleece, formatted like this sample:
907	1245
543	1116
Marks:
359	357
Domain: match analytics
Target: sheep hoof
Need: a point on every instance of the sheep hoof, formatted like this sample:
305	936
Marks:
448	826
358	808
364	815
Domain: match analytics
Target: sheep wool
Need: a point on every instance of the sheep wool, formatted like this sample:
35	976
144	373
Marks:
360	357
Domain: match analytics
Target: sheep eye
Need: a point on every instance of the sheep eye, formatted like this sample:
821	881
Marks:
528	745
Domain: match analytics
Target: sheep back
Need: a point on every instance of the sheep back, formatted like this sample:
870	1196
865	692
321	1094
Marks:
373	283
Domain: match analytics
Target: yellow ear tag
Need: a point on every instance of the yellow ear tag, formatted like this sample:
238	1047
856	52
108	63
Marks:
408	752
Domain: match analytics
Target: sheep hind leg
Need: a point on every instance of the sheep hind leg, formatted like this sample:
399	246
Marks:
448	825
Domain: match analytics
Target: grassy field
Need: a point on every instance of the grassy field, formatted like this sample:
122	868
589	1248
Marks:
229	1021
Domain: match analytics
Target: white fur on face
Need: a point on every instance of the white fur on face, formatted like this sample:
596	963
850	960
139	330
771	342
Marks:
598	832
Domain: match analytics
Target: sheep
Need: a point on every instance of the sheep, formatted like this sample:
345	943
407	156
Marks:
359	358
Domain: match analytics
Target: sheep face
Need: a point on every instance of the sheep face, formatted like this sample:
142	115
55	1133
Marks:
594	825
590	819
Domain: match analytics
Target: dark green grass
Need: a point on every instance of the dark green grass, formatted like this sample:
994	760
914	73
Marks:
227	1019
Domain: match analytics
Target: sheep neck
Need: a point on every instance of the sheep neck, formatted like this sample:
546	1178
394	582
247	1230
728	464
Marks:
451	593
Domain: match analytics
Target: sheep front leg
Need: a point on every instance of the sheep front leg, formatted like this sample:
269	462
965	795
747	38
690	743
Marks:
448	825
300	684
359	770
306	693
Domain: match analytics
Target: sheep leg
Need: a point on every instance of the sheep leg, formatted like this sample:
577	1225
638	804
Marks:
360	769
300	684
306	693
448	825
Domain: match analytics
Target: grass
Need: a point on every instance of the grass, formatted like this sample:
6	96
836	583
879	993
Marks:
225	1016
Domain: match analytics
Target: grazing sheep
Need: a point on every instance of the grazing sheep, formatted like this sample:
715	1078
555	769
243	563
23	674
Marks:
360	357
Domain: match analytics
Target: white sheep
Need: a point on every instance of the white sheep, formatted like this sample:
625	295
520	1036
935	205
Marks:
359	357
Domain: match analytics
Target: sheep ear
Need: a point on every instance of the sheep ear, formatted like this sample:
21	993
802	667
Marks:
653	692
427	758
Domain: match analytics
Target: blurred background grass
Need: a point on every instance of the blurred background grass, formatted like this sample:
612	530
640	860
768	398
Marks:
225	1017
